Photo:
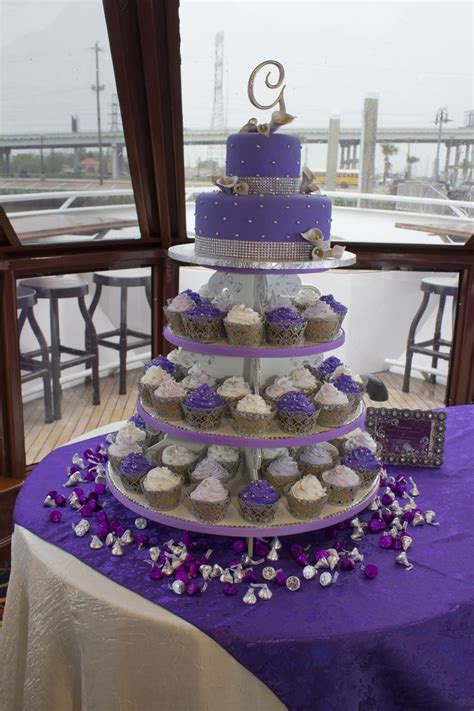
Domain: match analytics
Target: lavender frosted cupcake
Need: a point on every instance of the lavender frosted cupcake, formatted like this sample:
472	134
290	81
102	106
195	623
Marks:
176	307
307	498
317	458
227	457
304	380
178	458
203	322
130	439
334	406
209	501
326	369
132	470
232	390
324	319
251	415
353	391
284	327
203	408
258	502
282	473
359	438
150	381
162	488
364	463
269	454
244	326
296	414
280	386
206	468
342	484
168	398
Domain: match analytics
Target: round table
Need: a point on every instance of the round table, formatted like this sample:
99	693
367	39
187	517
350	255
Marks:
77	638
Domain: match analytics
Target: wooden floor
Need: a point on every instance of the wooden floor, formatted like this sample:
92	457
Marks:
79	415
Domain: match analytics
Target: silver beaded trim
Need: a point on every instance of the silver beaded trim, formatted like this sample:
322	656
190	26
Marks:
272	186
231	248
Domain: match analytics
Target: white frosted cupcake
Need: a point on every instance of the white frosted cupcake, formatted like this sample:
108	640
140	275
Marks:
151	381
228	457
232	389
333	405
345	370
162	488
129	439
304	380
209	500
307	497
342	484
306	296
324	319
251	415
244	326
174	310
271	453
179	458
167	399
317	458
197	376
207	468
359	438
282	472
280	386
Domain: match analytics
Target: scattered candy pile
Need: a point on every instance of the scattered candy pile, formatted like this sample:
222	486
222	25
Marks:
189	573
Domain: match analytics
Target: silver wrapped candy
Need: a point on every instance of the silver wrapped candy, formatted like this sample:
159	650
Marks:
276	543
226	576
375	505
73	501
272	555
167	569
333	560
265	593
309	571
141	523
402	559
117	548
96	543
356	556
239	575
81	528
73	480
418	519
126	537
78	461
178	587
100	478
155	553
406	542
206	571
49	501
414	489
268	573
250	598
430	518
396	508
357	534
322	563
325	579
293	583
110	438
216	571
110	539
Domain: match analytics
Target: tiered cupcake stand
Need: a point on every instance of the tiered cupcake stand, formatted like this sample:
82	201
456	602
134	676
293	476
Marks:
261	278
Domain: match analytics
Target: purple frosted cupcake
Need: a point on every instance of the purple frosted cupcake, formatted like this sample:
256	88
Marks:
258	502
203	408
364	463
354	392
162	362
203	322
326	369
296	413
324	319
132	470
176	307
284	327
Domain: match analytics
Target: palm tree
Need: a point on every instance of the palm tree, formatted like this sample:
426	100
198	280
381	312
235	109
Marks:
388	149
411	160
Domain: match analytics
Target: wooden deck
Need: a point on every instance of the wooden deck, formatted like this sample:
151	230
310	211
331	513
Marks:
79	415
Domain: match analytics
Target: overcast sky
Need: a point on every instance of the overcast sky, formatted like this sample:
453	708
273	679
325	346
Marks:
416	55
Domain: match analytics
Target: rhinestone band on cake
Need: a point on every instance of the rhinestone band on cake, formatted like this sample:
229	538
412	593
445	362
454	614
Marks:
271	186
208	247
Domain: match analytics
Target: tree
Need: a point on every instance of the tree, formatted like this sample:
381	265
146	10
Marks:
411	160
388	149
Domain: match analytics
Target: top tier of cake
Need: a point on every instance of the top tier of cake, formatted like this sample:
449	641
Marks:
253	155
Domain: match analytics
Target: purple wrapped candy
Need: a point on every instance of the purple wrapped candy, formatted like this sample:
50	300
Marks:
261	549
155	573
328	366
203	398
134	466
284	315
295	401
280	578
163	363
55	516
250	576
347	564
361	458
385	541
345	384
371	571
230	589
239	546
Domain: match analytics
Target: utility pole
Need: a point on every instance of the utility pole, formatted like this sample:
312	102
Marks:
114	114
441	117
98	87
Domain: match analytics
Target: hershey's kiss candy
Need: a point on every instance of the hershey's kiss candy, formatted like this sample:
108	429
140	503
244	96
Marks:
357	534
154	553
414	489
418	519
81	528
226	577
410	505
276	543
245	560
96	543
396	508
100	478
216	571
73	480
78	461
376	504
110	539
141	523
333	560
356	556
206	571
239	575
250	598
406	542
325	579
167	569
355	522
73	501
268	573
110	438
273	554
126	537
178	587
309	571
393	533
117	548
293	583
49	501
321	563
430	518
265	593
402	559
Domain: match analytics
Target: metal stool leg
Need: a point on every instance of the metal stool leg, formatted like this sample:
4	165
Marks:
123	341
55	357
92	335
92	307
48	403
411	340
437	334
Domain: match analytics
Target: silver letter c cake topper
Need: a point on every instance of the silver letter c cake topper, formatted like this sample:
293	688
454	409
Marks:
281	75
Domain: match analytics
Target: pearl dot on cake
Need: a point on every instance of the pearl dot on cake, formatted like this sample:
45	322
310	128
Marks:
275	222
242	161
224	218
249	220
258	145
273	162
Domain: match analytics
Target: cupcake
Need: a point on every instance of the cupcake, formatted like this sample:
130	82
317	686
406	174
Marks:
203	408
128	440
132	470
326	369
233	389
162	488
207	468
334	406
164	363
359	438
150	381
279	387
203	322
307	498
244	326
284	327
251	415
258	502
364	463
344	370
209	501
296	414
271	453
342	484
178	458
277	301
197	376
324	319
353	391
167	400
228	457
304	380
306	296
282	472
176	307
318	458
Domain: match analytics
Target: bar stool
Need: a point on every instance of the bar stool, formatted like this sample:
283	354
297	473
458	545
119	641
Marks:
123	279
442	287
35	362
55	288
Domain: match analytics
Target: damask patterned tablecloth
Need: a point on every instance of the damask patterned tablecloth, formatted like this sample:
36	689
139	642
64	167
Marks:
404	640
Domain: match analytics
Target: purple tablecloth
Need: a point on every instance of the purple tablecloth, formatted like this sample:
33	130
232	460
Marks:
401	641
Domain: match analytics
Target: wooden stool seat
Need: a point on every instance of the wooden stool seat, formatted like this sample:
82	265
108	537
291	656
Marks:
442	286
123	277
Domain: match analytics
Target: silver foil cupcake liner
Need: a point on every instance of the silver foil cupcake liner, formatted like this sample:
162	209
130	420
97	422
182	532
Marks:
175	321
229	401
134	486
284	335
206	329
146	392
258	513
163	500
333	415
168	408
280	483
296	422
207	511
338	495
305	508
315	469
203	419
320	330
250	423
115	461
367	476
247	335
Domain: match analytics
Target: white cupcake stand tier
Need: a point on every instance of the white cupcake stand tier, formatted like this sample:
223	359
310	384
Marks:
252	283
